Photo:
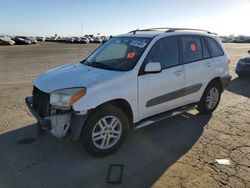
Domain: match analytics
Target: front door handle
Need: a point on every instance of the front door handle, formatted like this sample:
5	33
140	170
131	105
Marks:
178	73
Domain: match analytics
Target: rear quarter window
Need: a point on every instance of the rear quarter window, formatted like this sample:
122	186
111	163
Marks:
213	47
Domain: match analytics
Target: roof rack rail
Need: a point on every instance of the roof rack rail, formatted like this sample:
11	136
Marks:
170	29
188	29
150	29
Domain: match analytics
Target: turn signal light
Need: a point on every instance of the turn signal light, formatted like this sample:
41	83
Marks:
77	96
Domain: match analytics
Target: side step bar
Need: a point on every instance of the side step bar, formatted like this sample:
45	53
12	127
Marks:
153	119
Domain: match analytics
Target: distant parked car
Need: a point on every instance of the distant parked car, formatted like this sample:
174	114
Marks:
105	39
5	40
32	39
55	39
243	66
42	39
22	40
91	39
77	39
69	39
48	39
98	40
84	40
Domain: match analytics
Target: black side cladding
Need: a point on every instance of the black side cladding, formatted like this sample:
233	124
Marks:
41	102
174	95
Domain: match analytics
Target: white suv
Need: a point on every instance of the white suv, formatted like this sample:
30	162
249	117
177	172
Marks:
132	80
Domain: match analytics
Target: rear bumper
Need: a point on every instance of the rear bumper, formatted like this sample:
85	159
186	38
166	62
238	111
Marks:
225	81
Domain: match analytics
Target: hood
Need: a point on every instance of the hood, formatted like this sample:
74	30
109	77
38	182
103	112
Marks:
72	75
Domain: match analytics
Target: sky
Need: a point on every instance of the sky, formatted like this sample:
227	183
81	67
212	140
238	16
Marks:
111	17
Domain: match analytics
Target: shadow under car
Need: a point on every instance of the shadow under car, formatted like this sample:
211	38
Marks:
240	86
27	161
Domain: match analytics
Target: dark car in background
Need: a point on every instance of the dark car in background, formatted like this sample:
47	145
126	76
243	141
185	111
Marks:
22	40
243	66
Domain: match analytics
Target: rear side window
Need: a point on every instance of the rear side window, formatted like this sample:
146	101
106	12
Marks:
191	49
213	47
165	51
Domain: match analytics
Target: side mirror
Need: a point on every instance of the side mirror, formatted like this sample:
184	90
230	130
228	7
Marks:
153	67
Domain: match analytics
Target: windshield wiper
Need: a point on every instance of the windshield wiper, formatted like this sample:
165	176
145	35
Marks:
98	65
83	61
101	65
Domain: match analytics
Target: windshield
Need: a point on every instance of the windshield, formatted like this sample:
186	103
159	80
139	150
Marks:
119	54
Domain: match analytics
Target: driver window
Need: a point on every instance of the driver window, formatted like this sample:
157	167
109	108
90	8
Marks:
165	51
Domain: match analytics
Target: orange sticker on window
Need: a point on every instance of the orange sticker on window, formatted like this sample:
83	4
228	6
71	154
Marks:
131	55
193	47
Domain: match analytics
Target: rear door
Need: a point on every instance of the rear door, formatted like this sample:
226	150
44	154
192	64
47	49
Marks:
217	56
159	92
198	66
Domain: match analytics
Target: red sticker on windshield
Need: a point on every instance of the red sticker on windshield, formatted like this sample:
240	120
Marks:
193	47
131	55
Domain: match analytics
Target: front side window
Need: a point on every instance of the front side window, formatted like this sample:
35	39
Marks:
191	49
118	53
165	51
214	47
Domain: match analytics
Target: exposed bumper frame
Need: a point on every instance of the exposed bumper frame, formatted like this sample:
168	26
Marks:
76	124
44	122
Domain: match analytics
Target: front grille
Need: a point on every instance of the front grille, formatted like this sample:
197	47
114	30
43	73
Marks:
41	102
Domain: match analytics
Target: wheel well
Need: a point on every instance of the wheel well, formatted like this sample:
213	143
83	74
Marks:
217	80
124	106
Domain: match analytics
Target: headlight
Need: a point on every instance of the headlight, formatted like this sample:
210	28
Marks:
66	97
242	63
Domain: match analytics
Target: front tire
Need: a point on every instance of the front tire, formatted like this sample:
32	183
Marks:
210	98
105	130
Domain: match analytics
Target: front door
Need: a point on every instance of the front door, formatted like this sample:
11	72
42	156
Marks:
159	92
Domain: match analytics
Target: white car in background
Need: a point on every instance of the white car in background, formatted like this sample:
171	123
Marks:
6	40
84	40
131	81
97	39
42	39
32	39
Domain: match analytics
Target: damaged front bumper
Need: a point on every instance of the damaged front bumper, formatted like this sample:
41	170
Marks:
59	125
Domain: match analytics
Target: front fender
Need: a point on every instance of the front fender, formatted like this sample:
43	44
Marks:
125	89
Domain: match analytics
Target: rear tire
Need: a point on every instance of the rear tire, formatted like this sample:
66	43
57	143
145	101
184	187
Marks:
105	130
210	98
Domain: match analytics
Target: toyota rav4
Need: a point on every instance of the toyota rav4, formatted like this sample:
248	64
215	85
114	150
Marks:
131	81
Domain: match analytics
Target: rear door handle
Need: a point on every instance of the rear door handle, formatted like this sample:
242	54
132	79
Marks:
209	64
178	73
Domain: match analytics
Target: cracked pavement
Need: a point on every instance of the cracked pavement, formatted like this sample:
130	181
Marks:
226	136
178	152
